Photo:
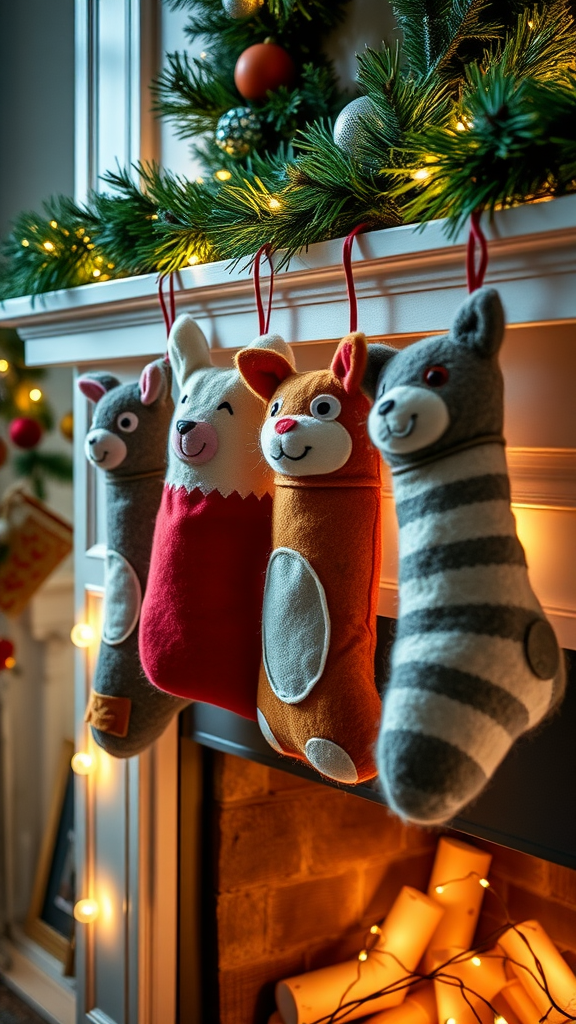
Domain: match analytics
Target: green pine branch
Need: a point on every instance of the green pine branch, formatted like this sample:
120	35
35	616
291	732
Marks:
36	466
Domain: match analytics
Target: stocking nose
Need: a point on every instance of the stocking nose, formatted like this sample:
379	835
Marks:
284	425
183	426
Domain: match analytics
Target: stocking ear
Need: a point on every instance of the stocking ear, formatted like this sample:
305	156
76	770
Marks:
277	344
479	323
95	385
378	356
154	381
349	362
263	370
187	347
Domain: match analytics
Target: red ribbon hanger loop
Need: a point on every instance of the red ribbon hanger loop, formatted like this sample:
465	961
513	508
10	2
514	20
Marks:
347	262
263	321
475	274
169	317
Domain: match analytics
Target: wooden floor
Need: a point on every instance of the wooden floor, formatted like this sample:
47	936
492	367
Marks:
14	1011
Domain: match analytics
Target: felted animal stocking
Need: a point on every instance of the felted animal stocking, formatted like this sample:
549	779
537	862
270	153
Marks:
475	662
201	618
127	440
317	699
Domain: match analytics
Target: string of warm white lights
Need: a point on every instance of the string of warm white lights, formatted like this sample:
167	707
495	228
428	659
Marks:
84	763
442	974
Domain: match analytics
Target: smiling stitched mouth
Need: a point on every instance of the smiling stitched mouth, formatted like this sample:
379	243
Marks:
193	455
98	461
407	430
293	458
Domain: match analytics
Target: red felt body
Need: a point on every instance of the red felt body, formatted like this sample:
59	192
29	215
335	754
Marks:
200	627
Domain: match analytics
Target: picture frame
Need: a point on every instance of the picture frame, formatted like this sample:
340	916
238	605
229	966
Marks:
50	918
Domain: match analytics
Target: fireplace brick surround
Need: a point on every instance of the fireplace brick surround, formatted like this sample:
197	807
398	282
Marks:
302	870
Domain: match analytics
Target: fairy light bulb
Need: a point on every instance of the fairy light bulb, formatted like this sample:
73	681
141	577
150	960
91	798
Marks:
476	961
484	883
4	366
83	763
375	930
421	174
460	126
500	1020
49	246
25	243
35	395
86	911
362	955
193	260
450	1020
273	203
96	272
9	662
439	889
82	634
223	175
53	223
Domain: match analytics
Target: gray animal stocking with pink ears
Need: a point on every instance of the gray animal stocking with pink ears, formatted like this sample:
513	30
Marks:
128	440
475	662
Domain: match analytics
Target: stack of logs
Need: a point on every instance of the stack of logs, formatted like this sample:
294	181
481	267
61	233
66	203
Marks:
419	966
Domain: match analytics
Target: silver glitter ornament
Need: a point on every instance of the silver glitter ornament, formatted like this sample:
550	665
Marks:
348	133
238	131
241	8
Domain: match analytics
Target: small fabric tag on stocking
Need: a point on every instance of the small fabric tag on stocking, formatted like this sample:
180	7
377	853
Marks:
109	714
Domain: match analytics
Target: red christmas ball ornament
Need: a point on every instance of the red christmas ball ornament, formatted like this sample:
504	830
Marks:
24	432
7	659
263	68
3	451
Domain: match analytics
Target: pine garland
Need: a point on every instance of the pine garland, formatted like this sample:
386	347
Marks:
476	110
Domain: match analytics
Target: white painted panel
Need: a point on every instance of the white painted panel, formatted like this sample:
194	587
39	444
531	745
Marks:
113	108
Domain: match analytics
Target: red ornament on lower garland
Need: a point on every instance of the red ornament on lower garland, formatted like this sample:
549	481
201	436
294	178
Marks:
25	432
263	68
7	659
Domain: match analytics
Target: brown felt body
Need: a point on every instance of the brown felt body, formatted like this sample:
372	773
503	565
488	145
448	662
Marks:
333	521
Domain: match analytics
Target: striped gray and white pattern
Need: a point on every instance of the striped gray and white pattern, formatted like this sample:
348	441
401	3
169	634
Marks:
475	662
461	688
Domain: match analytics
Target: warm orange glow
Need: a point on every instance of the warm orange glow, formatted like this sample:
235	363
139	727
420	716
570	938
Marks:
9	662
4	366
49	246
454	886
560	979
476	961
484	883
421	174
82	634
86	911
405	934
83	763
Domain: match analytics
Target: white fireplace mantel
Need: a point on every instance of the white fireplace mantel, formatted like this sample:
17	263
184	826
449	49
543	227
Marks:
409	280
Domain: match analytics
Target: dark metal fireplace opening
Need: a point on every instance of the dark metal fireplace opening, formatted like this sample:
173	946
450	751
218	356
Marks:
292	872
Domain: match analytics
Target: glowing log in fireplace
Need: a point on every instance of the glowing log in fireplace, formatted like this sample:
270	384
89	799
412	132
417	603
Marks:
560	980
456	884
404	936
417	1008
514	1004
482	977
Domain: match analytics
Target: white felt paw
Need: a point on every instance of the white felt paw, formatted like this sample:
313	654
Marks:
267	733
331	760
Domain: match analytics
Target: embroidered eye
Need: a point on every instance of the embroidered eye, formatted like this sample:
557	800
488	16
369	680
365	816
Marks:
325	407
277	405
127	421
183	399
225	405
435	376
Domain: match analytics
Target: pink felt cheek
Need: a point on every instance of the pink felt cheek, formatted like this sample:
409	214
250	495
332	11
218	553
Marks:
196	445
